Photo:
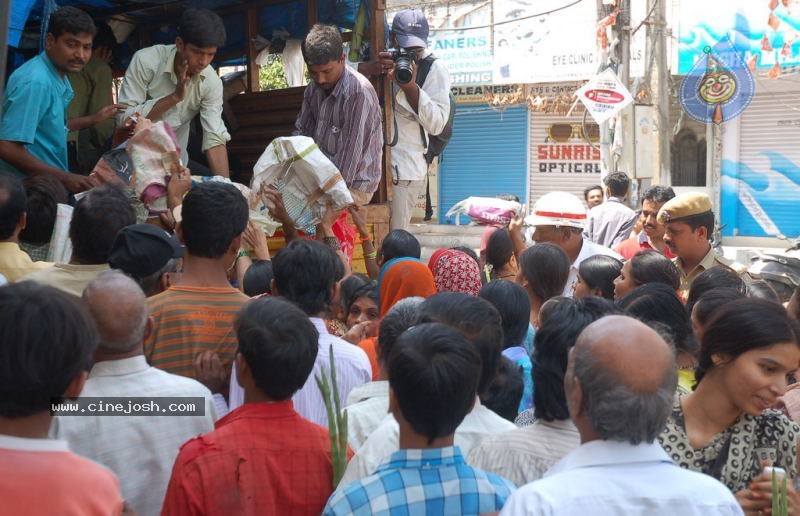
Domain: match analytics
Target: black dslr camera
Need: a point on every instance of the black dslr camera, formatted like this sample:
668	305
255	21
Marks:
403	59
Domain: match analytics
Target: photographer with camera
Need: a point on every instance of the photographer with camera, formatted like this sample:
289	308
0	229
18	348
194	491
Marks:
419	110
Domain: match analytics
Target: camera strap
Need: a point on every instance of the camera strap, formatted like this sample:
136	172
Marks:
423	67
394	117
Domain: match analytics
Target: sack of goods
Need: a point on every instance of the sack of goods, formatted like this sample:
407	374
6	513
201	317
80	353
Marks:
486	211
309	181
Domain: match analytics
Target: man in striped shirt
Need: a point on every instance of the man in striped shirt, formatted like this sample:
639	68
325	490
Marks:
341	113
196	314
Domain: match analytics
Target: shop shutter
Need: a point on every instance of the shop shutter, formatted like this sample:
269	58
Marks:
486	157
761	192
569	165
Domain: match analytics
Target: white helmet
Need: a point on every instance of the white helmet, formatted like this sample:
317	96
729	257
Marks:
558	209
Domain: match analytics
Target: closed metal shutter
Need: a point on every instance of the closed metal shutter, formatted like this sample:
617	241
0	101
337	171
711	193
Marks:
760	194
568	166
486	157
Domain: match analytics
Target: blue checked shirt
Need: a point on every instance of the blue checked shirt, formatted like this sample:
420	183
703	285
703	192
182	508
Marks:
436	481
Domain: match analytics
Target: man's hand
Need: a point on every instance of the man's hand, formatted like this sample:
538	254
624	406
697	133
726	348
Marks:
361	331
410	85
104	54
209	371
381	65
130	126
255	240
180	182
107	113
76	183
273	200
181	72
324	228
359	215
516	222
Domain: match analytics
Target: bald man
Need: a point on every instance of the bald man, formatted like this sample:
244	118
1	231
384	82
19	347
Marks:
139	448
619	392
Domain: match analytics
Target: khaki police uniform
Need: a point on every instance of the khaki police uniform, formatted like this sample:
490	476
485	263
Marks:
676	210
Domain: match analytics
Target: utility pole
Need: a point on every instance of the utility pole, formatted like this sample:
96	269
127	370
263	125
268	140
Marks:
626	162
659	85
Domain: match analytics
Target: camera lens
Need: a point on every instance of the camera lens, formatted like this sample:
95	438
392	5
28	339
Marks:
402	70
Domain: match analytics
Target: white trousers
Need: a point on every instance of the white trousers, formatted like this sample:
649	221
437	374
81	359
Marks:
404	196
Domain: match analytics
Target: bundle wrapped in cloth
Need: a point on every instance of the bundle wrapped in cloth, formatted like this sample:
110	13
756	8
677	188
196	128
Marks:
154	154
309	181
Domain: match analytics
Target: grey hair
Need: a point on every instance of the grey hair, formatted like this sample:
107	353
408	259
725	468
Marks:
400	317
616	412
407	308
322	45
121	325
149	283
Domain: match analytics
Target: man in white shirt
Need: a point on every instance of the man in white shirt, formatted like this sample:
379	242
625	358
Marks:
619	393
420	111
174	83
479	321
139	449
305	273
612	221
560	218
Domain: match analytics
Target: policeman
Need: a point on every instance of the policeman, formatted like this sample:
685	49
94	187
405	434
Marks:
689	223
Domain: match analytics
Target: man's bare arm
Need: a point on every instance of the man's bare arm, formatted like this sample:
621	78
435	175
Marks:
218	160
20	158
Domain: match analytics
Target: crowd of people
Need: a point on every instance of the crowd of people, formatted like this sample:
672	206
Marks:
576	364
473	383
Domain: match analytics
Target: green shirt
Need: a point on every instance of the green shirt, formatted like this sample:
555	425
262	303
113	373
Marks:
92	87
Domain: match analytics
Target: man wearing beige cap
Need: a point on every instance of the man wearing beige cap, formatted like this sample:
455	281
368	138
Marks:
689	223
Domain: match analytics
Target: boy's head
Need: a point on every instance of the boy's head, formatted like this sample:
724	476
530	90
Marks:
201	34
514	306
277	347
214	216
402	316
44	194
477	320
305	272
505	391
399	243
433	375
96	220
46	342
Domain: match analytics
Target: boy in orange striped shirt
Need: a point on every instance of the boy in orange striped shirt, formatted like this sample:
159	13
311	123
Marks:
196	314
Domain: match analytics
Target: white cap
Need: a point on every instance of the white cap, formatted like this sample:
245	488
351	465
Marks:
558	209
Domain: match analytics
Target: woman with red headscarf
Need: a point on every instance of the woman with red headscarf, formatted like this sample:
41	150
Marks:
455	271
